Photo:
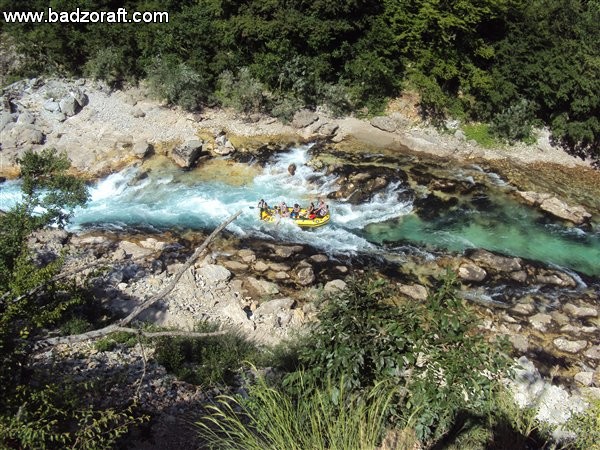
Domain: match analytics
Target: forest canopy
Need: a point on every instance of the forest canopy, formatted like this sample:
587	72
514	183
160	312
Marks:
510	63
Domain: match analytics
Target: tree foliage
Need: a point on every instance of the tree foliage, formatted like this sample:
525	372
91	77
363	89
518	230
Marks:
469	59
35	411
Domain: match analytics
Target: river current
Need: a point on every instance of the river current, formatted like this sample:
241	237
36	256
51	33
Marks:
169	198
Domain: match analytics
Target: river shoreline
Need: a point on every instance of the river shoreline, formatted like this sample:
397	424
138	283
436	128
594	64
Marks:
116	119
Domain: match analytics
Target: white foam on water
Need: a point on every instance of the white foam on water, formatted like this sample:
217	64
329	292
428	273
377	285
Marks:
10	194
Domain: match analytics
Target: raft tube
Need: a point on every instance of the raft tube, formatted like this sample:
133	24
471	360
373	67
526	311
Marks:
268	215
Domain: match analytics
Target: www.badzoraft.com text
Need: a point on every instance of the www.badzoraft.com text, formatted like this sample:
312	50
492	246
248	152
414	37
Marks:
121	15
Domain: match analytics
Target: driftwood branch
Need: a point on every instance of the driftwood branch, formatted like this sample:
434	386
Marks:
174	333
121	325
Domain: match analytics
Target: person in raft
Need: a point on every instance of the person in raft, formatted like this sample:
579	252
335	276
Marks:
295	211
262	207
322	209
283	210
310	211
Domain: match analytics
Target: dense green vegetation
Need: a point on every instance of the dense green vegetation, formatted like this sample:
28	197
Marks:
376	366
37	410
510	63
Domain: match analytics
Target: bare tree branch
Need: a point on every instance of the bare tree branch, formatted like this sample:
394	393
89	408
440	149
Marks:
121	324
174	333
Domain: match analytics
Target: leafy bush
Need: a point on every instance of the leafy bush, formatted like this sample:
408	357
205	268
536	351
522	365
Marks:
285	106
61	416
34	411
514	123
429	349
241	92
177	83
76	325
586	426
336	98
329	417
501	423
211	360
108	64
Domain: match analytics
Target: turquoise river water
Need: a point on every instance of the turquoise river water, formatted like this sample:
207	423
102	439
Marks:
170	198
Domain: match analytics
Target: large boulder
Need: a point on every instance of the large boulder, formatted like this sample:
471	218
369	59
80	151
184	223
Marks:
546	202
470	272
580	312
26	118
304	118
334	286
569	346
328	129
69	106
142	149
274	306
305	276
186	155
223	146
384	123
414	291
5	118
576	214
214	273
498	263
21	135
263	287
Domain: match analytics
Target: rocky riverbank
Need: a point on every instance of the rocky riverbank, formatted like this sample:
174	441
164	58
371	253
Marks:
270	292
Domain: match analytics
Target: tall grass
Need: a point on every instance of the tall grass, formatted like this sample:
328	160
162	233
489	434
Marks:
324	418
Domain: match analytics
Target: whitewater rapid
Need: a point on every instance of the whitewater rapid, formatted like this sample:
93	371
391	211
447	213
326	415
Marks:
165	200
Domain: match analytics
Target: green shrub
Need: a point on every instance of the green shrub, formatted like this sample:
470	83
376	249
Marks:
210	360
586	426
336	98
242	92
76	325
329	417
107	64
65	416
285	107
175	82
515	123
111	341
429	349
480	133
500	424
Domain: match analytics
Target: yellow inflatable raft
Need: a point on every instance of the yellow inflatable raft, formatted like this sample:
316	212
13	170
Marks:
269	215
